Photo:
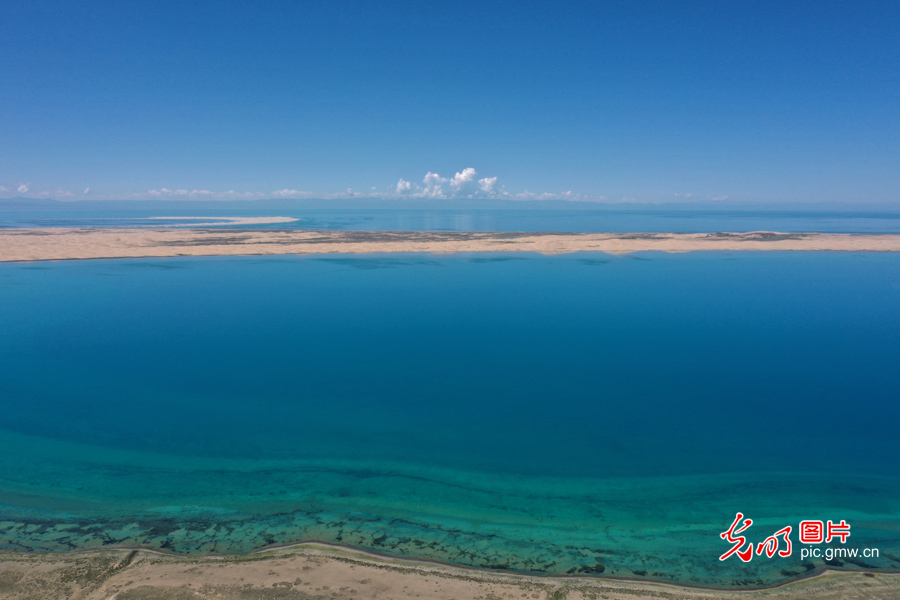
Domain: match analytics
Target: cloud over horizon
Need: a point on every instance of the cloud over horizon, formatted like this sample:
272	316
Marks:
197	194
464	184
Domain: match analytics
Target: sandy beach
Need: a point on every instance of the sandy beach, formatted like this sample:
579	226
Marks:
319	572
89	243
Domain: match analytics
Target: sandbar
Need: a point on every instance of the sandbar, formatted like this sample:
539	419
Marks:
219	221
64	243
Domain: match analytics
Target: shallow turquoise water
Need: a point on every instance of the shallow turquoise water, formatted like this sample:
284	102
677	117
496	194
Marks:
581	413
596	218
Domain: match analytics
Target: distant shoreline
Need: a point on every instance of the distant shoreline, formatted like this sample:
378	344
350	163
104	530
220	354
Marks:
52	243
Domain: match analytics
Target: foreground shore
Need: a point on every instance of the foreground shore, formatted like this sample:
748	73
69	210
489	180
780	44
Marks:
86	243
326	573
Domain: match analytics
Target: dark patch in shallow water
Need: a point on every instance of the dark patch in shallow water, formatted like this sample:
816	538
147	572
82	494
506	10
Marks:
594	261
163	266
493	259
371	264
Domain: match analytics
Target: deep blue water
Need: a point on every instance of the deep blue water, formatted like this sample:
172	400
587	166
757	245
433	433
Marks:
609	218
770	375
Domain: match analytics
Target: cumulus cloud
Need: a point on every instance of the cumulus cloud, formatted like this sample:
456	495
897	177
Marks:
717	198
404	187
467	184
488	185
464	184
434	185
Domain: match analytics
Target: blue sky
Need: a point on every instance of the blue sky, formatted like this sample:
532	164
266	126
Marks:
646	101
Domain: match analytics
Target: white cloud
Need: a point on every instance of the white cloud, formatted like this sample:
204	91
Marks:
404	187
569	195
488	185
288	193
58	193
717	198
199	194
164	192
685	195
233	195
434	185
465	183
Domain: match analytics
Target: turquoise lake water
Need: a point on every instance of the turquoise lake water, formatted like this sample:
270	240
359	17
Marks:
595	218
581	414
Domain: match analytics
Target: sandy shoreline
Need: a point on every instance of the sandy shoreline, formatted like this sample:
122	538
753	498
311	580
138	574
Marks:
89	243
316	571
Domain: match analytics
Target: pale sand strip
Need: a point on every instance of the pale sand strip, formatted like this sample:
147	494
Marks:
308	572
223	221
70	243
